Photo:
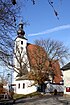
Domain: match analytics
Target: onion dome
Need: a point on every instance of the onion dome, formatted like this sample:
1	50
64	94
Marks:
20	31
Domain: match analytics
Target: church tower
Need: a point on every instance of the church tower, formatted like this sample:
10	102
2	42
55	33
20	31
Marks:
20	52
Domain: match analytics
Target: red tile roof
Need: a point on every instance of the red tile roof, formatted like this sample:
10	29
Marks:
57	71
35	53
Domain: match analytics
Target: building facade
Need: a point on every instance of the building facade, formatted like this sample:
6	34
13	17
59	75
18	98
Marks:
66	78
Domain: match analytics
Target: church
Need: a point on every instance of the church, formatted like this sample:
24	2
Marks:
24	59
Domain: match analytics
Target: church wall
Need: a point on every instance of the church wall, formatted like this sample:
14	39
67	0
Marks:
24	87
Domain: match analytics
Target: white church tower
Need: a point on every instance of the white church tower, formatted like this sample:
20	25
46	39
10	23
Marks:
20	50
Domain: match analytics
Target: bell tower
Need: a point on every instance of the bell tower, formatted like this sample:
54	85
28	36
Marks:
21	41
20	48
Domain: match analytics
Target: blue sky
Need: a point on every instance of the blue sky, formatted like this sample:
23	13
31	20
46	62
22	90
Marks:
41	18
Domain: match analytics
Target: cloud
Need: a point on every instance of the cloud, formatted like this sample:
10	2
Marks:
63	27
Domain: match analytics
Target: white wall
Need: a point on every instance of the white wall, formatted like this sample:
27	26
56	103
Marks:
66	78
28	88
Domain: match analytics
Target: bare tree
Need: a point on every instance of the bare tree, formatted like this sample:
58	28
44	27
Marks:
8	15
16	60
3	80
13	2
55	49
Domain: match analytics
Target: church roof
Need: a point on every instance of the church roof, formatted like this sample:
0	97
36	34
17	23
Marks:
35	51
19	36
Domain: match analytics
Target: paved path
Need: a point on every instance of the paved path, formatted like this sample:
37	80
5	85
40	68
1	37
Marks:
44	100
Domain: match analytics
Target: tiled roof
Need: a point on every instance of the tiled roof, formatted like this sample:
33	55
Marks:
66	67
36	55
24	77
57	71
32	49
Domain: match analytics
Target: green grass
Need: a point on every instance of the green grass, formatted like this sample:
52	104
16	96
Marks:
18	96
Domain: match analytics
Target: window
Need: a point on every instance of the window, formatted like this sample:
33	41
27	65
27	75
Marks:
19	85
21	42
23	85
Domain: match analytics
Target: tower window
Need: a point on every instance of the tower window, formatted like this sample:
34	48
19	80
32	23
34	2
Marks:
21	42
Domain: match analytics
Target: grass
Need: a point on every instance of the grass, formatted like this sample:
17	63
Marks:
18	96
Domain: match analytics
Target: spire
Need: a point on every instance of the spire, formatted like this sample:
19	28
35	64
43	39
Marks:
20	31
